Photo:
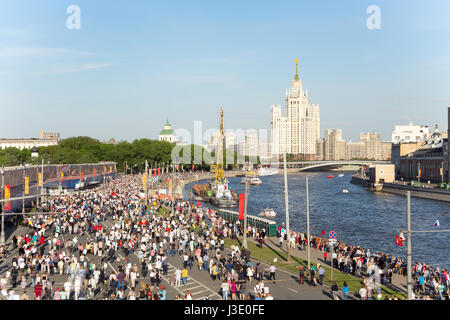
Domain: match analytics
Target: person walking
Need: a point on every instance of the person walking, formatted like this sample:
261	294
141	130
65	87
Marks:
272	270
363	293
321	274
178	274
38	291
184	275
335	291
301	275
345	290
225	288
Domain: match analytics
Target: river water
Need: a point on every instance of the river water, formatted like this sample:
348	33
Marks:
359	217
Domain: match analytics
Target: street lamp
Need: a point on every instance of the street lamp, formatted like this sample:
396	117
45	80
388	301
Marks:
2	235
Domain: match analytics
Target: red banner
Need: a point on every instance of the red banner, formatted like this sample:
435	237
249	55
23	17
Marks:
158	171
7	196
81	176
192	167
95	172
241	205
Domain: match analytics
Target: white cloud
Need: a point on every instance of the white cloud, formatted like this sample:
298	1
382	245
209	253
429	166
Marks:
78	68
14	52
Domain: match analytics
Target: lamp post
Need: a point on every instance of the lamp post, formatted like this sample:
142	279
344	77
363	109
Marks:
286	201
307	224
2	236
244	238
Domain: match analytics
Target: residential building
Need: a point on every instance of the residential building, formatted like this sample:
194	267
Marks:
280	131
298	132
355	150
335	146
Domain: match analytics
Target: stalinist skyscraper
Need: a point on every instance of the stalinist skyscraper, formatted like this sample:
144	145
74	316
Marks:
298	132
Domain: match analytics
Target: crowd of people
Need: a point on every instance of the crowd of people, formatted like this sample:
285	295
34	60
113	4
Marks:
83	232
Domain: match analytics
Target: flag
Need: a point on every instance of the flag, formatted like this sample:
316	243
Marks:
81	176
192	167
420	173
40	179
399	240
199	203
436	224
241	205
322	232
27	185
95	171
7	196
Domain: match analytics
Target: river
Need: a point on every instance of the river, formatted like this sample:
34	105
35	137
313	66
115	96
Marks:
359	217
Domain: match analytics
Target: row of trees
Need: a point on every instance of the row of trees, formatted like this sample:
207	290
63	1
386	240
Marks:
77	150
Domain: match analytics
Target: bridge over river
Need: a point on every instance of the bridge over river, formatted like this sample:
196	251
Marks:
326	165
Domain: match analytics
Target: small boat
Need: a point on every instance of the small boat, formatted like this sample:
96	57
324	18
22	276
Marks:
330	176
251	180
341	175
345	191
255	181
268	212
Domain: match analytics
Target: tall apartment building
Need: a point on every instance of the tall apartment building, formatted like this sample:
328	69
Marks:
355	150
298	132
370	146
335	146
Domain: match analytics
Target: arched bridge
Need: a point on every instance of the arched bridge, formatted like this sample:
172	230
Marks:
308	165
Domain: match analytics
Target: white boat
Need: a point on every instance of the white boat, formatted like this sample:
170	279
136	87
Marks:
251	180
345	191
341	175
268	212
267	171
255	181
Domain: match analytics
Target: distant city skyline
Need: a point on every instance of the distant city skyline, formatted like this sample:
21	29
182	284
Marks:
130	67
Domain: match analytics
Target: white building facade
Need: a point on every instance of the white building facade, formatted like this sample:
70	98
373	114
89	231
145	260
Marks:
26	143
299	131
410	133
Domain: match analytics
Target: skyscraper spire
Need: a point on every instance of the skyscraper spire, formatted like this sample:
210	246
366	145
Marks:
296	70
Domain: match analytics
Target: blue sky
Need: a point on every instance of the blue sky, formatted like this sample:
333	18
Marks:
135	63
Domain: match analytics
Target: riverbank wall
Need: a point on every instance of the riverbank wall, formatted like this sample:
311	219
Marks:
423	192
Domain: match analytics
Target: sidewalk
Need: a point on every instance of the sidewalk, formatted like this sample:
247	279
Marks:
398	282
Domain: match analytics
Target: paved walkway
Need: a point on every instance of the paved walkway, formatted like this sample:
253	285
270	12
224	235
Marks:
398	281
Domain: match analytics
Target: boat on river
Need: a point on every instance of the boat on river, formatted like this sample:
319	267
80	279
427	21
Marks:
268	212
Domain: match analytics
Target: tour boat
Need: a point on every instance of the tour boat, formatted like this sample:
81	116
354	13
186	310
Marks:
268	212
